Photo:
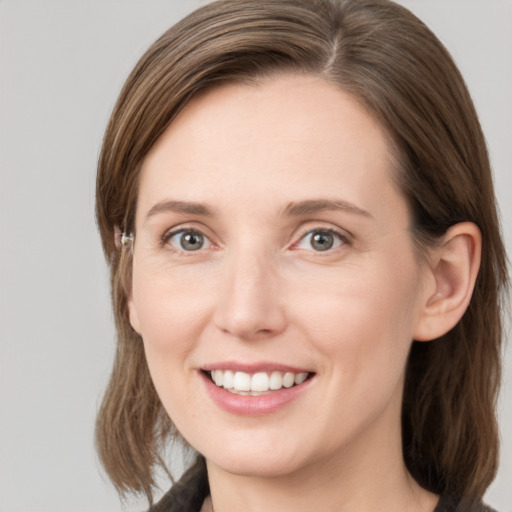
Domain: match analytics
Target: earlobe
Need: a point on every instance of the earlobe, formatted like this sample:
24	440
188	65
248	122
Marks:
454	268
133	316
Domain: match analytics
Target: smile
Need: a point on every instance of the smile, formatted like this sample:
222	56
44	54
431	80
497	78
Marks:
255	389
256	384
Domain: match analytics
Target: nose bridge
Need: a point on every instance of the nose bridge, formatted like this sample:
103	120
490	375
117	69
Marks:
250	304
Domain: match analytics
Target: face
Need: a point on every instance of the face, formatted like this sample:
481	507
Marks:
275	284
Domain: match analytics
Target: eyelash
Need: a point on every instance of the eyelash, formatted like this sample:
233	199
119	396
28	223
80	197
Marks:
171	234
343	239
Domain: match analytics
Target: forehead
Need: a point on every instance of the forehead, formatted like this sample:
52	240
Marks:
287	137
287	105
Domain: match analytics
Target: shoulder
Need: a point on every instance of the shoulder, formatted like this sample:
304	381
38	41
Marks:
451	504
188	494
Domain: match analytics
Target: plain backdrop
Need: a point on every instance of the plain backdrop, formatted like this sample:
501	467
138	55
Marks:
62	64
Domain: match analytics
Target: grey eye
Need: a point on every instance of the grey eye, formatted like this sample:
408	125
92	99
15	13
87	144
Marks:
320	240
188	240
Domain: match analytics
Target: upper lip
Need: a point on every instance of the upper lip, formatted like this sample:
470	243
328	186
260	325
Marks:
262	366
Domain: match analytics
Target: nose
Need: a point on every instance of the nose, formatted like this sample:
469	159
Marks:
250	302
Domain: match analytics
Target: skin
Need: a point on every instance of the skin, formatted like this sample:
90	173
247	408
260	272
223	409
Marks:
259	291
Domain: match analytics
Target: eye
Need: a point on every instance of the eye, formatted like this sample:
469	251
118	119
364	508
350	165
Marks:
321	240
187	240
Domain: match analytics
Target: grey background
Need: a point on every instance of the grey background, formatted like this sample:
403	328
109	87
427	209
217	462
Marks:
62	64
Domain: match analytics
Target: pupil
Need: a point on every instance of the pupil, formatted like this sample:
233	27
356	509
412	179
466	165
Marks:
192	241
322	241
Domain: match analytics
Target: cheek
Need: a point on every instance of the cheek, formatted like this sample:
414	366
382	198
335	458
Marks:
170	319
362	325
364	316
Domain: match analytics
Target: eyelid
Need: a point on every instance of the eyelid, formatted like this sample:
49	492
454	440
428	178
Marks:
345	237
176	230
197	227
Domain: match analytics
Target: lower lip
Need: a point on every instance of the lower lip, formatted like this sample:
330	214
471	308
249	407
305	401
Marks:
244	405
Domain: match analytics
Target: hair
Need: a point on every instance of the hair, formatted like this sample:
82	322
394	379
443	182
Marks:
398	70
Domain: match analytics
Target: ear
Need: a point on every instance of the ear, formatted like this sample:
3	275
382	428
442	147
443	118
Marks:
133	315
454	268
117	237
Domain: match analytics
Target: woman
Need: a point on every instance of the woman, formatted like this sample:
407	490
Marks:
296	203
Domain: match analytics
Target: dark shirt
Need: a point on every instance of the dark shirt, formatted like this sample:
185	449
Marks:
450	504
188	495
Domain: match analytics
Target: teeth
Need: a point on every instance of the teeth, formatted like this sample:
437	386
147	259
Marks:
299	378
228	379
242	381
257	383
217	376
276	380
288	379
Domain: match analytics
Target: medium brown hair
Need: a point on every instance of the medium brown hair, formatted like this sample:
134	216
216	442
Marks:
393	65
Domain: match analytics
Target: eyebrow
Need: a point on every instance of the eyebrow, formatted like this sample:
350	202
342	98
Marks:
180	207
312	206
293	209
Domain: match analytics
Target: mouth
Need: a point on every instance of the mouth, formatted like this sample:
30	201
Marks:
258	383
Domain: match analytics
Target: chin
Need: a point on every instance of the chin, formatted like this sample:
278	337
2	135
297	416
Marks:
255	461
248	467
